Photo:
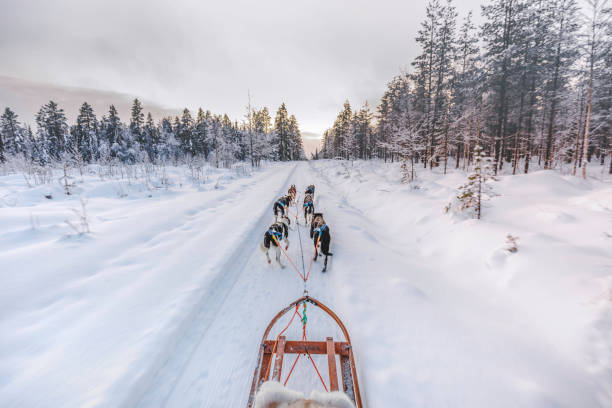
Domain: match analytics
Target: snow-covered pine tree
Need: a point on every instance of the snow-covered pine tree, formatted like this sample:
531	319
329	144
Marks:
563	54
502	33
263	147
424	76
11	133
184	132
341	128
136	124
112	134
594	49
168	148
363	132
282	130
151	138
477	188
52	131
85	135
467	92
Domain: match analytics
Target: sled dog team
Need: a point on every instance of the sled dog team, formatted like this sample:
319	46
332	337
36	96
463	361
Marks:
278	233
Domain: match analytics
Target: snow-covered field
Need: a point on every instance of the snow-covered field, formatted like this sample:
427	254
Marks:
164	303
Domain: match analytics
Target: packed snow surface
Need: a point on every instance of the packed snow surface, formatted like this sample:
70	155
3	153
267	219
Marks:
164	302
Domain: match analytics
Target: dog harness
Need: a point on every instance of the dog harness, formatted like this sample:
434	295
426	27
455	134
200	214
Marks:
281	203
308	204
320	229
276	234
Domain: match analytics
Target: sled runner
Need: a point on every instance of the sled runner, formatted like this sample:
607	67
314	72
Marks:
271	353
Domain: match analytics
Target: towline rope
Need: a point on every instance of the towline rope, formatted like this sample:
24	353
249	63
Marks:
303	316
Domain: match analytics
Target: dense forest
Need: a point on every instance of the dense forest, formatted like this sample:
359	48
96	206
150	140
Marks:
214	138
532	86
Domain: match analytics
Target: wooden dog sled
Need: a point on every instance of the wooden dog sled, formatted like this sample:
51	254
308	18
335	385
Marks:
272	352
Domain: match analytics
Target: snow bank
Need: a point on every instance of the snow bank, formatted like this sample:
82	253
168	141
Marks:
86	319
443	313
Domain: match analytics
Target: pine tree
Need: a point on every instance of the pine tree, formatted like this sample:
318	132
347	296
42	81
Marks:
501	32
136	123
477	188
282	130
85	134
199	134
467	93
564	53
151	138
184	132
597	29
52	131
11	134
341	128
113	132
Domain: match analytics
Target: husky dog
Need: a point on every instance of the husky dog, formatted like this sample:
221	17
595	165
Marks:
280	206
308	207
279	231
310	190
321	237
292	191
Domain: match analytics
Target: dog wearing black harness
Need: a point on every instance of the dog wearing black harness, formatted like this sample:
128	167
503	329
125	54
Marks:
310	190
321	237
280	206
274	236
308	207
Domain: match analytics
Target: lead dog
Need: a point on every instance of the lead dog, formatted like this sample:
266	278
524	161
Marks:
292	192
321	237
308	207
278	232
310	190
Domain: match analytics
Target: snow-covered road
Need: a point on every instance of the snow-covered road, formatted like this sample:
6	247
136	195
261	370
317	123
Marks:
420	339
176	296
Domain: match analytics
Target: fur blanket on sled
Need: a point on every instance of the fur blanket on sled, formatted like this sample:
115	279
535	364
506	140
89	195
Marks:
273	395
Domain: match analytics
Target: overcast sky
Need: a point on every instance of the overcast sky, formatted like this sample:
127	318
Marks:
311	54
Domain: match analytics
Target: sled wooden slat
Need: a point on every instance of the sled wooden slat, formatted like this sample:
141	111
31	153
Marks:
313	347
343	349
331	362
278	362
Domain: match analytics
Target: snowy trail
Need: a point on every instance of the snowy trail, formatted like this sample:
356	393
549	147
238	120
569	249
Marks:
215	367
419	339
165	303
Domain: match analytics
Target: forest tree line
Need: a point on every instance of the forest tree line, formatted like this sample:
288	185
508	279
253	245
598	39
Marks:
215	138
531	85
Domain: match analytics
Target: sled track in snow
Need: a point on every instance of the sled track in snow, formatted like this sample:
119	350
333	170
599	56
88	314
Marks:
179	349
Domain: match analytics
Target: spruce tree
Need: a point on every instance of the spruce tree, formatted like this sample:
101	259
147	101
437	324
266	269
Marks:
11	133
476	190
52	131
184	132
282	130
86	134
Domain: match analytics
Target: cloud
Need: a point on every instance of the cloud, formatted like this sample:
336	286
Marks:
26	97
310	54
